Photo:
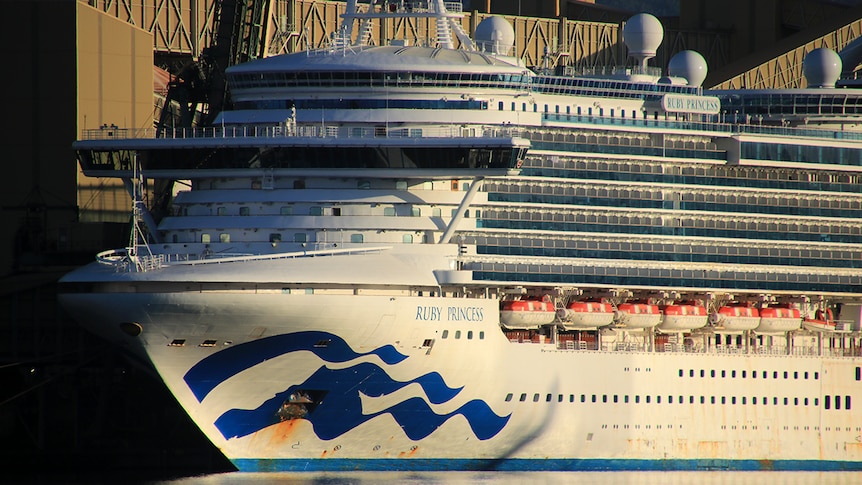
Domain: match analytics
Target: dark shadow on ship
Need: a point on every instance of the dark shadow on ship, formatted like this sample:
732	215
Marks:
75	409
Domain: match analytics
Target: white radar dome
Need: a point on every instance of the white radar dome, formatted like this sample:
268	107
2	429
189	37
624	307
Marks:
690	65
822	67
643	34
495	35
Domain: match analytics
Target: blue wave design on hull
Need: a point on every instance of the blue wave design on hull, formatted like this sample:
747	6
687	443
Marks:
217	368
341	408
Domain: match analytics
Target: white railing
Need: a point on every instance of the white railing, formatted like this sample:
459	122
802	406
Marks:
301	131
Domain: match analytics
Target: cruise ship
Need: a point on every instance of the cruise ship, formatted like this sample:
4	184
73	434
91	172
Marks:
434	257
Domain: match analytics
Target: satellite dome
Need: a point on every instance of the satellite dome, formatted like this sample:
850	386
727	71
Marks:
495	35
643	34
690	65
822	67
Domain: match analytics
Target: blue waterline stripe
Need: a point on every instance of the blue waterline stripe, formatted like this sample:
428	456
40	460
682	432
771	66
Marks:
512	464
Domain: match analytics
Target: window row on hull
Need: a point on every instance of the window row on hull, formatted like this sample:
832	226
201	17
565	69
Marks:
612	277
665	172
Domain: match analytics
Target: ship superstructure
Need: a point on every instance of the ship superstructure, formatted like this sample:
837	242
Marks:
425	256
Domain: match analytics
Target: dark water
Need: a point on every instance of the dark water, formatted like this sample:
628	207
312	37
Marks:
575	478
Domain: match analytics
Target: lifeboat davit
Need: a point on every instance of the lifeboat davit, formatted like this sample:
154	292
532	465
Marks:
638	315
681	317
779	319
529	313
822	322
736	318
582	315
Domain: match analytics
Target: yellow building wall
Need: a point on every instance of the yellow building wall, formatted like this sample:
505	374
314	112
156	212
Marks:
115	87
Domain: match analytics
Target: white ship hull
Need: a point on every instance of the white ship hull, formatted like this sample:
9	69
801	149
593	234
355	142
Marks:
394	392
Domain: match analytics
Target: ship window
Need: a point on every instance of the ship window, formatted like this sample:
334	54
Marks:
336	211
691	399
286	210
436	212
508	397
626	399
407	239
680	372
795	374
427	342
299	237
775	375
285	291
309	291
469	335
208	343
604	398
536	397
221	211
785	374
363	184
400	185
322	344
549	397
594	398
616	398
743	374
299	184
389	211
804	401
817	376
224	237
724	399
712	399
733	374
858	374
445	333
244	211
637	399
837	402
846	402
416	211
481	335
457	334
523	397
357	238
733	400
691	373
315	211
571	398
827	402
712	373
583	398
177	342
670	399
702	373
805	375
274	238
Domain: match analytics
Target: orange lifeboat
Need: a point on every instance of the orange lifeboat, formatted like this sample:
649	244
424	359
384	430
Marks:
584	315
779	319
681	317
529	313
736	318
822	321
633	315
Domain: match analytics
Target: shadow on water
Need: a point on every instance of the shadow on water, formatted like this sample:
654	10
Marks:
74	409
